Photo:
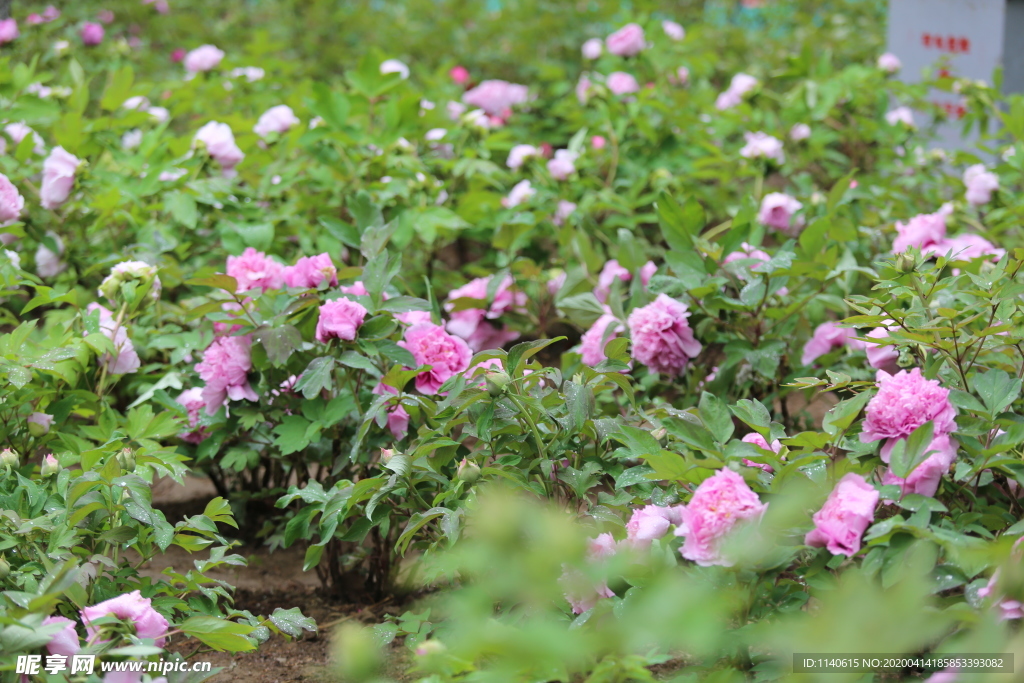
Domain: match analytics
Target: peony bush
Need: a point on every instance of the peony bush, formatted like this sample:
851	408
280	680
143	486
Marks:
667	346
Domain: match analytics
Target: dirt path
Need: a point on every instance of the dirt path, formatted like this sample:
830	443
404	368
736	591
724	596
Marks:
271	580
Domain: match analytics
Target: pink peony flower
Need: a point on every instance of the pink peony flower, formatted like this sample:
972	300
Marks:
470	325
496	97
648	524
310	271
719	504
924	480
799	131
11	201
746	251
430	345
627	41
1009	609
35	19
890	63
105	16
965	247
178	55
583	88
459	74
900	115
662	338
521	191
980	184
922	231
740	85
192	401
621	83
398	418
357	288
563	211
43	420
92	33
904	402
225	367
276	120
220	144
673	30
760	145
65	642
613	271
58	178
562	166
592	48
556	283
8	30
255	269
339	319
203	58
847	513
51	13
162	7
593	341
579	595
759	441
681	76
520	153
882	357
130	608
827	336
125	359
17	132
395	66
777	211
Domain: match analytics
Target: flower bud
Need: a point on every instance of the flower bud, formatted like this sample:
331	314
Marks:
9	458
139	273
496	382
905	263
39	424
126	459
5	568
659	433
50	466
906	358
386	454
468	471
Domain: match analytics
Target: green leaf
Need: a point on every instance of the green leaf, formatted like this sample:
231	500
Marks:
715	415
279	342
353	359
842	415
520	353
291	434
182	207
679	224
218	281
316	377
220	634
997	389
332	107
118	88
754	414
292	621
910	452
416	522
583	309
691	434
